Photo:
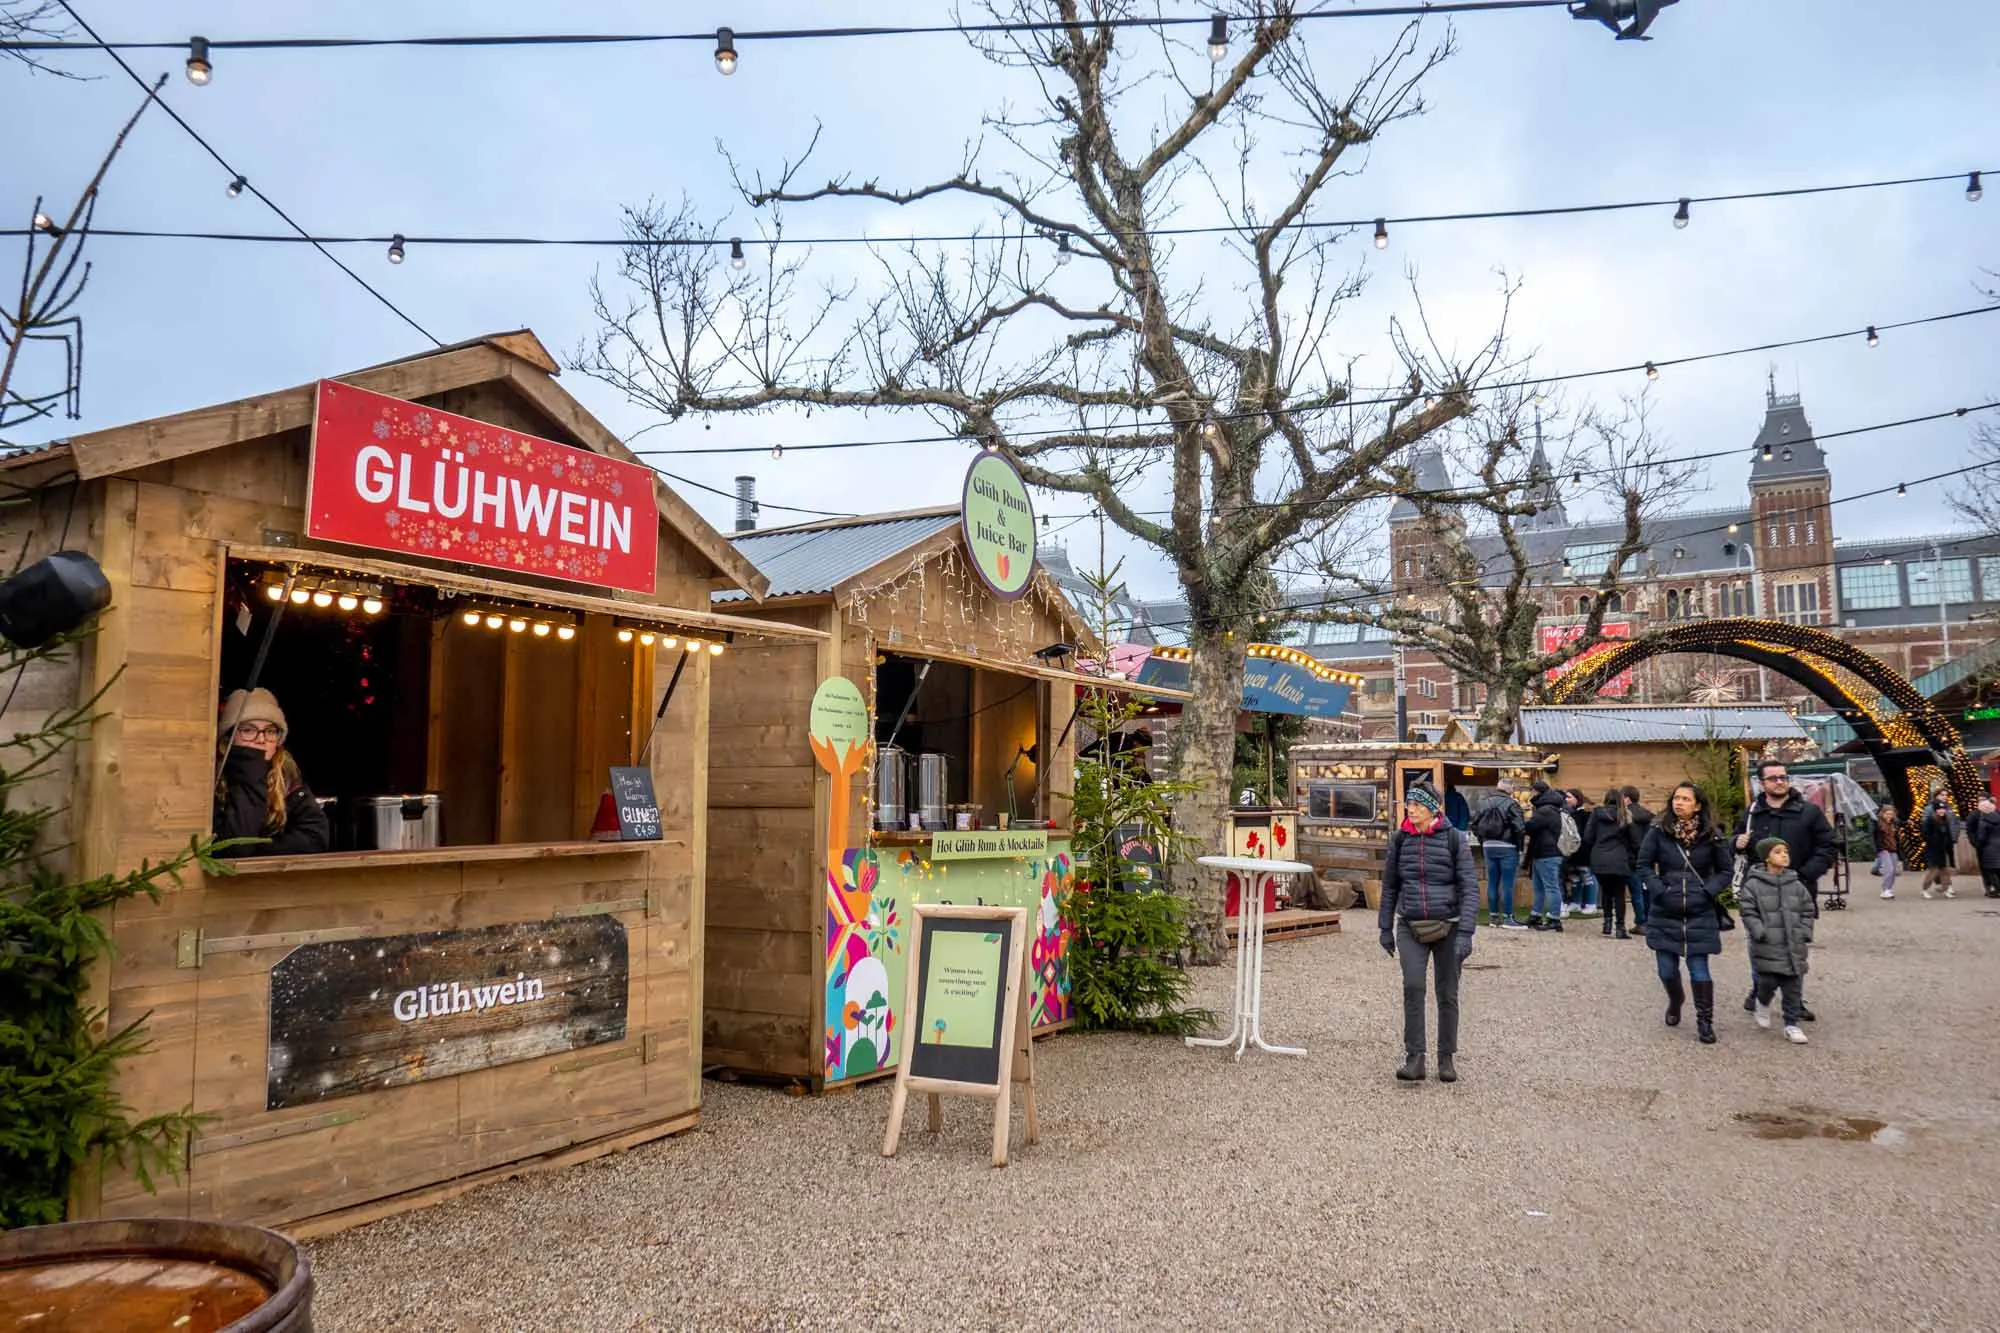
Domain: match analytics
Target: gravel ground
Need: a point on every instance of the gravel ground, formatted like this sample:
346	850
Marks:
1591	1168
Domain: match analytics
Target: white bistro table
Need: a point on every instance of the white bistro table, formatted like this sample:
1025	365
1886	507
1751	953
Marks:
1246	1025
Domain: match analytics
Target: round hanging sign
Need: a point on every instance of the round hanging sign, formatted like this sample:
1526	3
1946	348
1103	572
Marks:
998	521
839	717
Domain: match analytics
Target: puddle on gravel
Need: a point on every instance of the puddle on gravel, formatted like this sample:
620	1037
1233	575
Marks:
1805	1122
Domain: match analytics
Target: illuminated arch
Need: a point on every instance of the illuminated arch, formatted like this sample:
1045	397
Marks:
1915	746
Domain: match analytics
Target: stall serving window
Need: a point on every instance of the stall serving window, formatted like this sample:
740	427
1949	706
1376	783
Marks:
1340	803
958	744
420	717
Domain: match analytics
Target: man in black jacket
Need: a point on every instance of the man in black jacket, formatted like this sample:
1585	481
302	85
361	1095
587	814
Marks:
1783	814
1545	856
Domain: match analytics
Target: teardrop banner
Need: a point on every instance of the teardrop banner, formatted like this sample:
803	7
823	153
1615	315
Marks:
997	519
837	728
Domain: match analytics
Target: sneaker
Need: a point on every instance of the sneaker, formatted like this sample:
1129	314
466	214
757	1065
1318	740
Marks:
1794	1034
1888	893
1927	895
1555	924
1950	892
1763	1015
1509	923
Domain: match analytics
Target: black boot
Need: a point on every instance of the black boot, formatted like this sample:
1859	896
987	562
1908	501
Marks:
1447	1072
1676	997
1607	921
1704	1011
1750	1001
1413	1068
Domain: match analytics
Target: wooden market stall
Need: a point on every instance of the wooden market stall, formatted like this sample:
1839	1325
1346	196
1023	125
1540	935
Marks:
473	605
962	670
1351	795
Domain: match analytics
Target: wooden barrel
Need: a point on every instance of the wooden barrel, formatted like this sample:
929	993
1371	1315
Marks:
163	1273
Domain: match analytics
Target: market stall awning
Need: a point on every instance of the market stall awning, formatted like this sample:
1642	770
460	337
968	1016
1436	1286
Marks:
1276	679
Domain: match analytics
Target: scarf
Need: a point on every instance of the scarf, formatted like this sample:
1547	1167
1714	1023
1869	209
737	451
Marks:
1686	831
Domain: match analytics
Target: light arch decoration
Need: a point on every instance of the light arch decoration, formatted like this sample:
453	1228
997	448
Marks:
1916	746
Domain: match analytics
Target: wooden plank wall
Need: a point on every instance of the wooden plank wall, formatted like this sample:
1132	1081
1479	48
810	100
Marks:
1653	769
145	790
764	896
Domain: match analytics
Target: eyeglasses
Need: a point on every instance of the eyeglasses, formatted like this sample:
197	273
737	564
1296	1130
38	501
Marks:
259	731
1775	777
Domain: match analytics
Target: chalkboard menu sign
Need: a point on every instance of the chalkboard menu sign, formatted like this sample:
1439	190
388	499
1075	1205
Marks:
358	1015
971	1034
961	1000
638	810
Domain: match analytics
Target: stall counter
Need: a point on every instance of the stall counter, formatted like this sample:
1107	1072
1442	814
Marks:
868	913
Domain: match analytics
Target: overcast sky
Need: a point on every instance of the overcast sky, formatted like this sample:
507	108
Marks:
1535	110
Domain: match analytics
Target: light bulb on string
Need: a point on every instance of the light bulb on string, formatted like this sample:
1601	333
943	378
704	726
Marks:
542	628
736	259
1652	371
692	645
668	643
348	601
45	224
1681	216
1974	192
715	650
1874	338
1764	454
565	632
1062	249
646	638
1381	233
624	635
777	451
725	50
1902	488
199	71
300	597
1218	38
275	592
494	621
371	606
516	625
396	248
471	618
235	188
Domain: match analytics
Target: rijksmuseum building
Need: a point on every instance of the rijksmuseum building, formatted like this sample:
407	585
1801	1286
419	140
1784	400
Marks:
1913	601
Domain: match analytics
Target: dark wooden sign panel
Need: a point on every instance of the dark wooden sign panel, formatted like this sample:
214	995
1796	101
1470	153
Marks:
360	1015
638	811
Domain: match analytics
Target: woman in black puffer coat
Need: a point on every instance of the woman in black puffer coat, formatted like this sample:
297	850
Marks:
1609	843
1686	866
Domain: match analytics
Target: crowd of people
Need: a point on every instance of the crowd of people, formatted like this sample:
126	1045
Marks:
1688	880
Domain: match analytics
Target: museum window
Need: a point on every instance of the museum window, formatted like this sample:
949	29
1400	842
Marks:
1798	603
1870	587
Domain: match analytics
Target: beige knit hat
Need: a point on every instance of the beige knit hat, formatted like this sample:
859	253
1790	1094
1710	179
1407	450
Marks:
258	705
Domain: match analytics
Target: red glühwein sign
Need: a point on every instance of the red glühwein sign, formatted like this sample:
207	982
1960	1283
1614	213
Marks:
400	476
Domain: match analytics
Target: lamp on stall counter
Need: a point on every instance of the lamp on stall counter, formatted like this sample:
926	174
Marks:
50	597
1031	753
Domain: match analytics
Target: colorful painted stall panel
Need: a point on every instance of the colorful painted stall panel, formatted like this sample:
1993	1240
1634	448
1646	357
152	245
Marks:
868	908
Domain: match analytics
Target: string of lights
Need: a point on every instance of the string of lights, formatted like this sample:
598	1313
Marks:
201	50
1456	494
1375	600
238	182
1870	335
399	243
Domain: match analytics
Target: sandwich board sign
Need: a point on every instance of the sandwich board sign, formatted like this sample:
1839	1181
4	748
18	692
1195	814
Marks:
972	1036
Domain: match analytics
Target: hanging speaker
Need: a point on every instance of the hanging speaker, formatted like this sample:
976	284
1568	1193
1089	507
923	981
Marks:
50	597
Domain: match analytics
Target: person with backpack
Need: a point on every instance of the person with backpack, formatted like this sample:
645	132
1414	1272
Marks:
1612	848
1642	824
1581	890
1552	835
1502	831
1430	909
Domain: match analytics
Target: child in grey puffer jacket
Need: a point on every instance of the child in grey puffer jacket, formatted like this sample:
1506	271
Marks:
1778	916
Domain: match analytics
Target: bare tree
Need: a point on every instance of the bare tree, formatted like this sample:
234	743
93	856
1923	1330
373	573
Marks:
1977	499
1207	368
33	21
1480	584
41	316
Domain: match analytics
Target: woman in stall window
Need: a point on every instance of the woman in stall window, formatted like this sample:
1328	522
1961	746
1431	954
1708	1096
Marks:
260	793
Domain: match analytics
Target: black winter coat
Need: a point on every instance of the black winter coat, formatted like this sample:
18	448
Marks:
1684	915
241	808
1802	827
1610	843
1940	839
1984	830
1429	877
1545	825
